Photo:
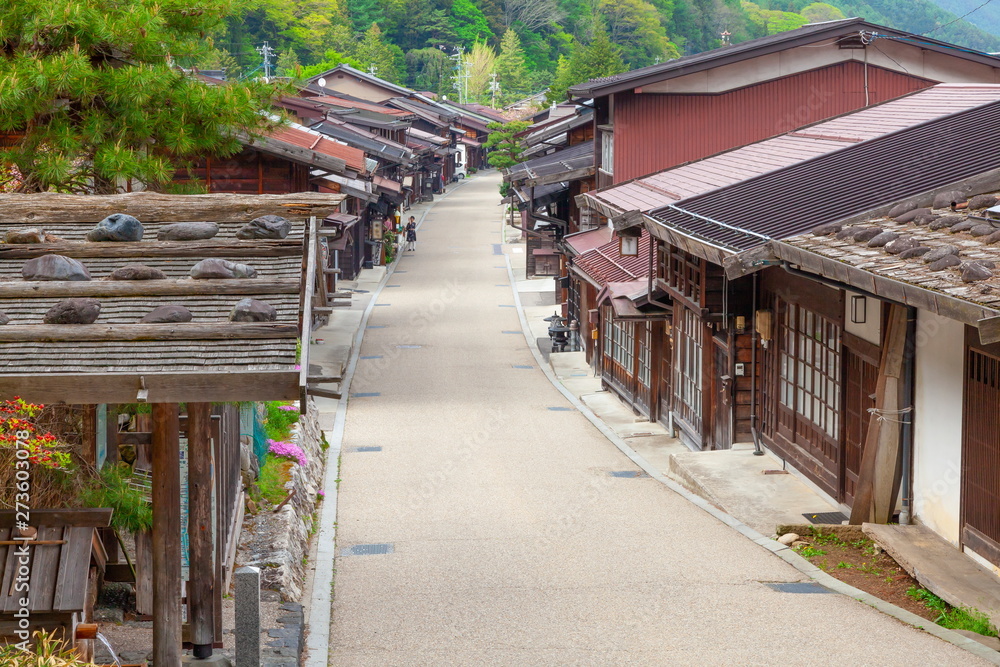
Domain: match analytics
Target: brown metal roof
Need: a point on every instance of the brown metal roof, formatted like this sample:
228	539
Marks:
836	186
605	264
695	178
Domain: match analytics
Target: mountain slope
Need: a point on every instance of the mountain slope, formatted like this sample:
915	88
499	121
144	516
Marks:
986	17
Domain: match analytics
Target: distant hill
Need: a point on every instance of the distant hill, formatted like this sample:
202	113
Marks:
924	17
985	18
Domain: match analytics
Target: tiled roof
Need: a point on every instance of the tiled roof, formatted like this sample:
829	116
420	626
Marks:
962	233
782	41
317	143
554	164
695	178
361	105
581	242
605	264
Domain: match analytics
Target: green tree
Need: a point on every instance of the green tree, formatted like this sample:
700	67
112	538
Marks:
512	73
97	100
598	59
469	23
821	11
429	69
288	64
478	66
378	57
635	26
364	13
504	148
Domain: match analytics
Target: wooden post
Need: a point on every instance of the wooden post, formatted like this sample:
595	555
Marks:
873	498
88	449
202	580
166	535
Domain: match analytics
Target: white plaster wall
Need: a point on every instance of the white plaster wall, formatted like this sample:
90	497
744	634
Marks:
891	54
937	450
871	329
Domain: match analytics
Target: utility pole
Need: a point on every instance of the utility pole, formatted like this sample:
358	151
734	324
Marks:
267	53
461	79
494	88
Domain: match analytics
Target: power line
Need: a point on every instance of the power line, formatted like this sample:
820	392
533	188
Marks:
945	25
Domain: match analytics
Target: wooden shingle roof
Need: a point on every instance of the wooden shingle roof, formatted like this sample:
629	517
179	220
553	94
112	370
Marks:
207	359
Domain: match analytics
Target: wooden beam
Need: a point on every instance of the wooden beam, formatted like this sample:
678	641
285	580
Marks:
325	378
166	496
149	249
201	584
39	209
989	330
81	518
880	457
78	388
323	393
332	272
124	332
114	288
571	175
88	435
307	306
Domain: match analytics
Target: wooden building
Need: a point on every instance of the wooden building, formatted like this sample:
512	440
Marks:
210	359
872	367
739	94
713	312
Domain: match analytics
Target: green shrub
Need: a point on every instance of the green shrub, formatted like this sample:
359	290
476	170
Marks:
132	513
48	651
278	419
955	618
273	475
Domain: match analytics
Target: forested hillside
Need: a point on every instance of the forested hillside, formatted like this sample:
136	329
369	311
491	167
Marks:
496	51
986	16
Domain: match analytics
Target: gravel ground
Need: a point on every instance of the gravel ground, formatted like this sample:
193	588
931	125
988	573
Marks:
511	542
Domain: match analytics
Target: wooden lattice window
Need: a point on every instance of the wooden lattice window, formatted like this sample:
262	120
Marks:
684	274
809	368
609	331
687	371
644	355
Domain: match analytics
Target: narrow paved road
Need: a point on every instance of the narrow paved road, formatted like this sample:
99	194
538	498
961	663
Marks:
510	542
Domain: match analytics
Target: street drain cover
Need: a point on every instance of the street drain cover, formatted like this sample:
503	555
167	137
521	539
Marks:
367	550
409	347
497	249
627	473
368	449
560	408
521	366
799	587
825	517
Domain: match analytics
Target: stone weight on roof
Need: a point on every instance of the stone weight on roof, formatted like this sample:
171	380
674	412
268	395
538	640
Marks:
117	227
74	311
187	231
54	267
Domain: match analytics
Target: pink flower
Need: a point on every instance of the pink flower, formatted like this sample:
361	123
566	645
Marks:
287	408
288	450
321	493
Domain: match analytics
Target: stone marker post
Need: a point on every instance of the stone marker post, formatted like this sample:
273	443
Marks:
247	617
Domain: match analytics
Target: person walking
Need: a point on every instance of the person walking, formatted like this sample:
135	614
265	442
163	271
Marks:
411	234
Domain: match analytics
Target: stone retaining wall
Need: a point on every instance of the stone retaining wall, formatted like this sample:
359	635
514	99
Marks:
282	565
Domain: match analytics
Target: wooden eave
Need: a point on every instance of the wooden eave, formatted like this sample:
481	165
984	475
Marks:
986	319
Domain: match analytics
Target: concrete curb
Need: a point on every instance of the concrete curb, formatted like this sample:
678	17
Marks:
778	549
321	595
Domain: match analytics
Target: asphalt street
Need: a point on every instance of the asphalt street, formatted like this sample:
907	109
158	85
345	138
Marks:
502	536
